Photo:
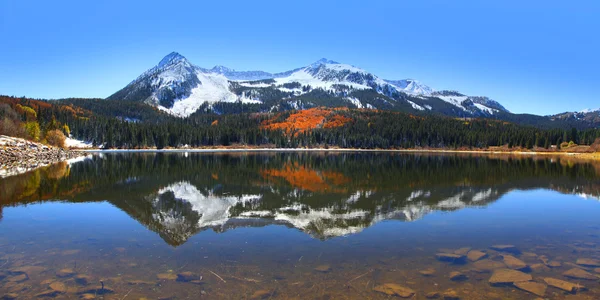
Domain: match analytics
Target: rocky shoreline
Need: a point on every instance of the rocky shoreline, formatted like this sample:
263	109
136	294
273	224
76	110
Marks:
18	155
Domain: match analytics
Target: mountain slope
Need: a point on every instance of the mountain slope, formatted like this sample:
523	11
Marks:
180	88
586	116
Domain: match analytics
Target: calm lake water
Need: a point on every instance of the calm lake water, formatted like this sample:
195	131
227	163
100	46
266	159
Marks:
301	226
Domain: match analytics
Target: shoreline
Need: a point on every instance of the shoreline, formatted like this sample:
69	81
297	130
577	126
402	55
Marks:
587	155
18	156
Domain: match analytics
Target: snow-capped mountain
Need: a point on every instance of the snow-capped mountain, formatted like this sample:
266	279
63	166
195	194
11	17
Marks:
180	88
181	210
590	116
411	86
232	74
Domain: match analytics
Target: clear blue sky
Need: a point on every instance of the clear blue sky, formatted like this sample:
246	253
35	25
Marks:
532	56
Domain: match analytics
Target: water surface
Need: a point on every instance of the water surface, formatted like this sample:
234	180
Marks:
296	226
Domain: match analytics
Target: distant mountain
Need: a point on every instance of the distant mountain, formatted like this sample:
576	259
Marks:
588	116
180	88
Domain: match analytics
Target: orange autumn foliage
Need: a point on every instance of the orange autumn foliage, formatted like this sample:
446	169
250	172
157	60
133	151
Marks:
308	119
337	121
307	179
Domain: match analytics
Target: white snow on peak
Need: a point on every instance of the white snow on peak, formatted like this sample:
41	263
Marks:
588	110
304	78
222	69
344	67
213	88
171	58
482	195
411	86
588	196
212	209
323	61
254	84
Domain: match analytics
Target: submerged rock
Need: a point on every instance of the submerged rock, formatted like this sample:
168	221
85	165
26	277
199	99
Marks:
458	276
188	276
580	274
262	294
323	268
427	272
506	248
29	270
588	262
141	282
83	279
563	285
46	294
554	264
99	290
536	288
432	295
488	265
513	262
65	273
167	276
450	294
475	255
462	251
18	278
393	289
451	257
505	276
539	268
58	287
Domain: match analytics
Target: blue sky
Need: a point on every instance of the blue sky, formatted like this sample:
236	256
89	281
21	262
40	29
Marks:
532	56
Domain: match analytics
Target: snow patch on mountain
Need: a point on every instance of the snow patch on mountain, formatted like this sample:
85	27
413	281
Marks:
212	209
411	86
355	102
304	78
415	106
254	84
212	89
588	110
454	100
482	107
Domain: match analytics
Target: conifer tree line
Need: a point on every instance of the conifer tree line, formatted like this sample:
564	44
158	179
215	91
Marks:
367	130
102	123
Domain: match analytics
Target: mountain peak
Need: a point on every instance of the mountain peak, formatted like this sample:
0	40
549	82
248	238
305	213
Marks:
411	86
323	61
588	110
171	58
222	69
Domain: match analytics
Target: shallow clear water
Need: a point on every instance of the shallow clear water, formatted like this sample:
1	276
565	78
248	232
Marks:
297	226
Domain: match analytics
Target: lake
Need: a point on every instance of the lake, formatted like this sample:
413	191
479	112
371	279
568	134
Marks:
322	225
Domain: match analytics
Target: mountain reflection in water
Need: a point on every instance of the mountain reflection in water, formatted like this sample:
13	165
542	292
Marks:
322	194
